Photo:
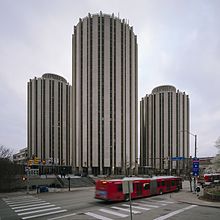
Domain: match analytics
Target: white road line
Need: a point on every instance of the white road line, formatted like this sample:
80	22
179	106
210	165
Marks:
63	216
145	204
18	198
166	202
98	216
154	202
44	214
27	206
36	211
113	213
25	203
136	207
126	210
34	208
175	212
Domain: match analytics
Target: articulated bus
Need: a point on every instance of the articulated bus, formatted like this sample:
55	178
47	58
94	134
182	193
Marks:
212	178
111	190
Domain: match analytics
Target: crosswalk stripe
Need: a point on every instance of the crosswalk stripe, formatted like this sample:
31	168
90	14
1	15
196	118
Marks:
18	198
44	214
154	202
34	208
25	203
36	211
27	206
136	207
126	210
63	216
98	216
113	213
22	201
145	204
169	202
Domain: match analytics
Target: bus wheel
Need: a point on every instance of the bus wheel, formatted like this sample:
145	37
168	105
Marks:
126	197
161	192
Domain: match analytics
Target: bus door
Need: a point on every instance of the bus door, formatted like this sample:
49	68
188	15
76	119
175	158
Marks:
139	189
168	184
153	187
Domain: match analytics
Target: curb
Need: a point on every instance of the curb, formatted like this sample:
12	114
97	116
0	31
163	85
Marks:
194	203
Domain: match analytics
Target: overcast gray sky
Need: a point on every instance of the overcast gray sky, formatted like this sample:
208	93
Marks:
178	43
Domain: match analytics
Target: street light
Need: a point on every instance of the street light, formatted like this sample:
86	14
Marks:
195	136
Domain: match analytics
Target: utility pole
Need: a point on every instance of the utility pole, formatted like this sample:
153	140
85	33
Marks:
195	177
195	144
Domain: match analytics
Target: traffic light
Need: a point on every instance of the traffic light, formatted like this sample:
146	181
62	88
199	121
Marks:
36	160
30	162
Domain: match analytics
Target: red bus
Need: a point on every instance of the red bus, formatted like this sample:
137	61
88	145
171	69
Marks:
111	190
211	178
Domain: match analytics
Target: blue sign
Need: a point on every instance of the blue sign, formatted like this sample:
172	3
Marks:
195	168
177	158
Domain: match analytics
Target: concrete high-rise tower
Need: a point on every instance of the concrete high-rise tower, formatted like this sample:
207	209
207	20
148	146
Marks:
105	94
49	119
164	130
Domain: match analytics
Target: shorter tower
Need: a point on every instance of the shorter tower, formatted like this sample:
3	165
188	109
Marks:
49	119
164	130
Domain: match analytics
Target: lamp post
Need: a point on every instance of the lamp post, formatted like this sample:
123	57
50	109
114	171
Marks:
195	153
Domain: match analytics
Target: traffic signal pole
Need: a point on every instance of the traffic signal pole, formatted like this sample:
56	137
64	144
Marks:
195	177
28	173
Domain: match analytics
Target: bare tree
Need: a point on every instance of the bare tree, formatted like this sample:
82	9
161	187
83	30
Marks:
217	143
5	152
216	159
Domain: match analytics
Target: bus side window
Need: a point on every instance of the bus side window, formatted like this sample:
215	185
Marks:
146	186
119	187
173	183
158	184
163	183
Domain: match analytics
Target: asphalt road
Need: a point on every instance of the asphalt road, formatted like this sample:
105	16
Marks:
81	205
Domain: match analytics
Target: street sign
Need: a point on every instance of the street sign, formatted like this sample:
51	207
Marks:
195	168
127	186
177	158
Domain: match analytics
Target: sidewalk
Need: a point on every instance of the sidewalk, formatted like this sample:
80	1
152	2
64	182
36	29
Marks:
186	196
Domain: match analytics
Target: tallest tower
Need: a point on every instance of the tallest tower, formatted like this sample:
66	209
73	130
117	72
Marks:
105	95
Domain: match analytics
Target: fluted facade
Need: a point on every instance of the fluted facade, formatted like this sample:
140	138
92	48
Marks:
105	94
164	129
49	119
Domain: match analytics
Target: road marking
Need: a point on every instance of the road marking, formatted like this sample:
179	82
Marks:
113	213
33	208
98	216
155	202
22	201
166	202
18	198
63	216
27	206
36	211
43	214
175	212
26	203
136	207
126	210
145	204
